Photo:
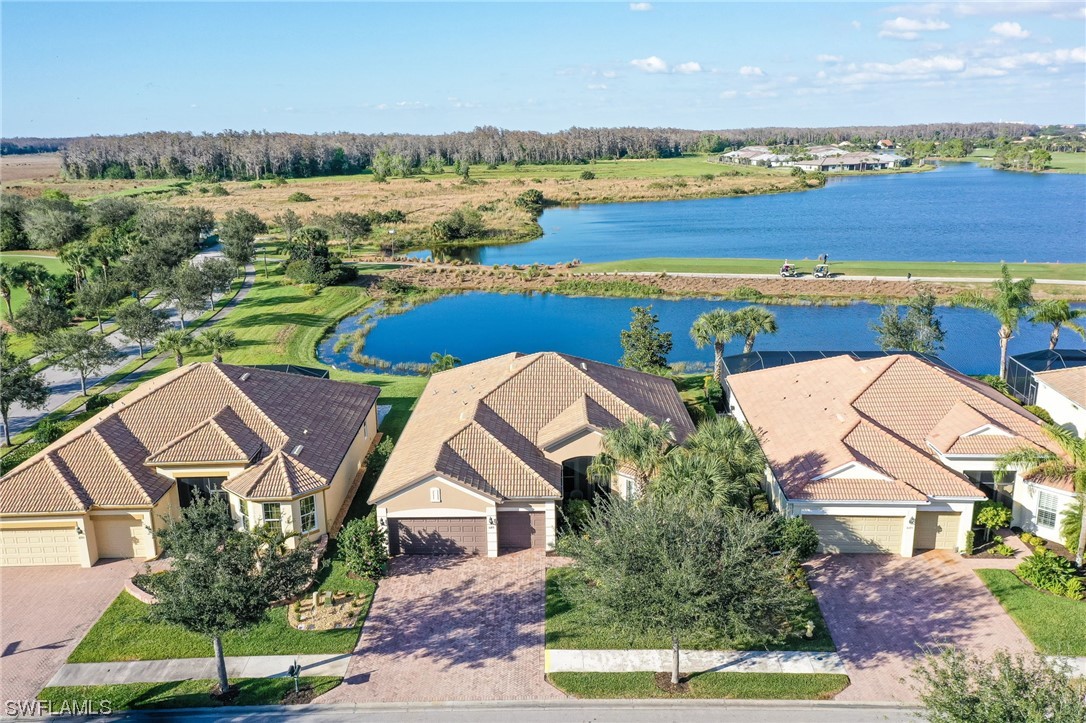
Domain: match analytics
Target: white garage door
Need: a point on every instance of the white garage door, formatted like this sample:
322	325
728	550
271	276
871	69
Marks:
853	533
937	530
40	546
120	535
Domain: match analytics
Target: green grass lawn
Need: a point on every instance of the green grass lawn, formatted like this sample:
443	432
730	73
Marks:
1056	625
47	259
1061	162
124	633
852	268
585	628
765	686
181	694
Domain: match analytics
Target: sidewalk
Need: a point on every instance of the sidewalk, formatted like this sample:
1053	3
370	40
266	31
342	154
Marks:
692	661
163	671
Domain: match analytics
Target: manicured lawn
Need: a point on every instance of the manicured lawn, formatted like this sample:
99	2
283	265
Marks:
182	693
124	633
851	268
766	686
585	628
1056	625
51	263
1061	162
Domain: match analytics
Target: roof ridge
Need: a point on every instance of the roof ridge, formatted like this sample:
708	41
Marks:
49	460
506	449
295	461
596	382
209	421
895	358
120	463
249	399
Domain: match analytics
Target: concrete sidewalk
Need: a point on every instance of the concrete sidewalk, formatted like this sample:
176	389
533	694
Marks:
692	661
162	671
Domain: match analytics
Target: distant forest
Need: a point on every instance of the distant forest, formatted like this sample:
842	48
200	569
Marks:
258	154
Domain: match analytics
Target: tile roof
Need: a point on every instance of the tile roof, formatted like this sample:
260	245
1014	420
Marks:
884	415
1071	383
199	413
482	423
276	477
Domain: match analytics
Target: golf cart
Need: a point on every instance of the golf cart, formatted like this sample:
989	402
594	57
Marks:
822	271
788	270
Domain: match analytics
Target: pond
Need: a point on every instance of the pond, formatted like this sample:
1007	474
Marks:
478	325
960	212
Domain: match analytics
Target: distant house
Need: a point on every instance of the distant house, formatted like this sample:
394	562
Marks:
828	159
494	448
284	450
890	454
885	143
1055	380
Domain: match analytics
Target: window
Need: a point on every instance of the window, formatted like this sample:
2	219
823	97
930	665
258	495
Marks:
308	506
1002	491
435	494
272	515
1047	506
243	515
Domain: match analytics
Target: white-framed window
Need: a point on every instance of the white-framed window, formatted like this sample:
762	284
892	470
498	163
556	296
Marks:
273	515
435	494
308	506
243	515
1047	507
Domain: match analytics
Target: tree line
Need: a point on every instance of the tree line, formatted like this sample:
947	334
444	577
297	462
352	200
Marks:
258	154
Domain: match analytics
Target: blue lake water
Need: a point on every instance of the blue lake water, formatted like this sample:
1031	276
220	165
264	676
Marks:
960	212
478	325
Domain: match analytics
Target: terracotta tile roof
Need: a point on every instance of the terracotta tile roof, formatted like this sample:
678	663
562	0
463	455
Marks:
275	477
884	415
1071	383
199	413
482	423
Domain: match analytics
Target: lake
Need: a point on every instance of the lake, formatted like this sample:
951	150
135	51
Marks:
960	212
478	325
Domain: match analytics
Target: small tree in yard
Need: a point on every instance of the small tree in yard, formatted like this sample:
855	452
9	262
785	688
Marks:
665	567
18	383
176	341
958	687
992	516
364	546
79	351
219	274
644	346
221	578
216	341
140	323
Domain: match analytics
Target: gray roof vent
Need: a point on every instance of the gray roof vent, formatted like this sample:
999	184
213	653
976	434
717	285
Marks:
297	450
245	376
584	366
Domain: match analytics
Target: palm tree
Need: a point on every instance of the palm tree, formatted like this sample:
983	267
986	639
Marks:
750	321
735	443
1045	465
714	327
31	276
702	479
1058	313
215	342
637	444
442	362
1009	305
79	257
176	341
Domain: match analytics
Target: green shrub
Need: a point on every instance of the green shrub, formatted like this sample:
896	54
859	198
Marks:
1048	571
746	293
1003	550
1075	589
97	402
48	432
299	197
969	537
219	190
759	503
530	200
798	535
363	545
1040	412
587	175
576	514
992	515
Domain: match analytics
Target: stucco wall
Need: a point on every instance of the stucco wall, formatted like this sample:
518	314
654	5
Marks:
586	444
455	501
335	495
1064	412
1025	509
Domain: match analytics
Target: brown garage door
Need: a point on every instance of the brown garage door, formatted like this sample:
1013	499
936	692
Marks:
438	536
522	530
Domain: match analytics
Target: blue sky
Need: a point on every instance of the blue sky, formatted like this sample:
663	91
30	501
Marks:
82	68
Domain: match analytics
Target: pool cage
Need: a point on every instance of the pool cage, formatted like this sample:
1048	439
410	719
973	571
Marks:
757	360
1021	368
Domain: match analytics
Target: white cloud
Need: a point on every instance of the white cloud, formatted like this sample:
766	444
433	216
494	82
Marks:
597	86
904	28
687	68
980	71
458	103
651	64
1062	56
1063	10
761	94
1009	30
640	7
856	25
751	70
609	74
823	58
728	94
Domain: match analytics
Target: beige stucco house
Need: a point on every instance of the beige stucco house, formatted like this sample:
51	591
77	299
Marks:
891	454
494	448
1062	393
283	449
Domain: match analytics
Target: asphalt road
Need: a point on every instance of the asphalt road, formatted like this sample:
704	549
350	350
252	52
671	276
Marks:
572	711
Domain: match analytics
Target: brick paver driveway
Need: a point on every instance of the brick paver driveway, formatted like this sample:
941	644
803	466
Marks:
453	628
44	613
882	609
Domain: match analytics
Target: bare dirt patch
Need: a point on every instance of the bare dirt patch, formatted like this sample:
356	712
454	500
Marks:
663	682
29	166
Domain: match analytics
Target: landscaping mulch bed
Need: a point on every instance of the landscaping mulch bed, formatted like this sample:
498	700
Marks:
663	682
305	694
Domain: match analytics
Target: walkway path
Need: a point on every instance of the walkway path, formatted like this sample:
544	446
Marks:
163	671
64	385
693	661
849	277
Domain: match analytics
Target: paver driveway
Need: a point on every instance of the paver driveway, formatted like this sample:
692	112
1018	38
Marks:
882	609
44	613
453	628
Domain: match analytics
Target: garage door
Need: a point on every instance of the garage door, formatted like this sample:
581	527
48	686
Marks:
857	534
120	536
438	536
937	530
40	546
522	530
